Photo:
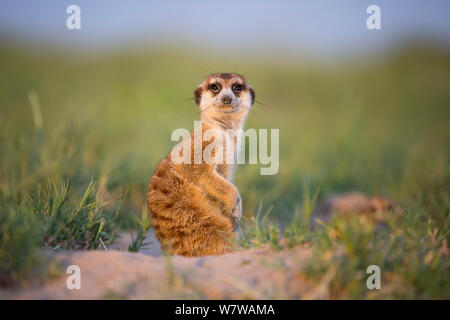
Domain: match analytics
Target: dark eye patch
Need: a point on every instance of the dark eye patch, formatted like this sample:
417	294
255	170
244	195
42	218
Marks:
214	88
237	87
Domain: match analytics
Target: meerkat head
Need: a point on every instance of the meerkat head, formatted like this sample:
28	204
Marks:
225	94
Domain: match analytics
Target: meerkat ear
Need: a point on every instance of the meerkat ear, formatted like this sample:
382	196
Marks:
252	94
198	95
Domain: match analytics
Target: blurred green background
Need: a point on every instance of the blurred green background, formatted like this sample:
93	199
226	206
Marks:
379	127
357	109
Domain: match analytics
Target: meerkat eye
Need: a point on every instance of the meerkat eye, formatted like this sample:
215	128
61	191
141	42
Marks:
237	88
214	88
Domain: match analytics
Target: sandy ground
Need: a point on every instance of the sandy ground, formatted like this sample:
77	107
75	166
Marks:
259	273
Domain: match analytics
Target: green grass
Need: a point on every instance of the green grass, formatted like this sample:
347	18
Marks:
55	218
20	235
142	225
378	126
68	224
410	250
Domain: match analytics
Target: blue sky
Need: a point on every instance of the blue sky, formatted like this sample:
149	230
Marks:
318	27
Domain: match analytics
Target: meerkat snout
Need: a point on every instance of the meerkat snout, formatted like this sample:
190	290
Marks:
227	100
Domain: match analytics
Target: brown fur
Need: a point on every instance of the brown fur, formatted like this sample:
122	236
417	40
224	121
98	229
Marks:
195	208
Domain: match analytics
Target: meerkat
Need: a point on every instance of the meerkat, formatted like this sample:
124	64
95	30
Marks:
195	208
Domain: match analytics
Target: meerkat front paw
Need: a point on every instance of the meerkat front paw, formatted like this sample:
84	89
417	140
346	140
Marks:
236	213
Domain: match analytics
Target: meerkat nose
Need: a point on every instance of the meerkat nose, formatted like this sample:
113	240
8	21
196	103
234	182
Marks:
226	100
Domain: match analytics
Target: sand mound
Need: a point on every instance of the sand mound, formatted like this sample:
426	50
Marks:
258	273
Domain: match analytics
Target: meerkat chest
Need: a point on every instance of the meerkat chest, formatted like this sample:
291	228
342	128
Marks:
230	141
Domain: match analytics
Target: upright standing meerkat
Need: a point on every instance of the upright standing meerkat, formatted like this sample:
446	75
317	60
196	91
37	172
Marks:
195	208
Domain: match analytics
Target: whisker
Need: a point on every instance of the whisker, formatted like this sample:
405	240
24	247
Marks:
253	112
201	110
264	105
